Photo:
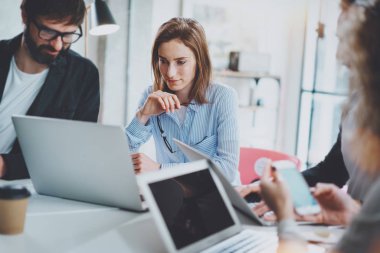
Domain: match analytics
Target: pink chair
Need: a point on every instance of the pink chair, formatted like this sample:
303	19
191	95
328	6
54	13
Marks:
249	156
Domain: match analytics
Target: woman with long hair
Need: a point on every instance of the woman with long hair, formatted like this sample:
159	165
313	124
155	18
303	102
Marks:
185	104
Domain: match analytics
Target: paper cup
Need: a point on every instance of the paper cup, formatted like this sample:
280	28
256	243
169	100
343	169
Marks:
13	205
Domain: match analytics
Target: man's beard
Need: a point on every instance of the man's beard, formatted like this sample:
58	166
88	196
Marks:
37	52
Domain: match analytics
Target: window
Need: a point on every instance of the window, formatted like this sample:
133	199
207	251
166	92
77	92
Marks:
324	84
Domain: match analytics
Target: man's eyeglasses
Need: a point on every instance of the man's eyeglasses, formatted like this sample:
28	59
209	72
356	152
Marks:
48	34
163	135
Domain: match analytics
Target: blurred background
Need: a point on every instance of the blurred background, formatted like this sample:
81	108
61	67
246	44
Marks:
278	54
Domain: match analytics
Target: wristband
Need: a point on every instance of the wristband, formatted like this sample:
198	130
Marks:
288	230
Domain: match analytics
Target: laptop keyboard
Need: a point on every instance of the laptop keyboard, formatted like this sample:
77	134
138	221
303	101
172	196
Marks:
246	241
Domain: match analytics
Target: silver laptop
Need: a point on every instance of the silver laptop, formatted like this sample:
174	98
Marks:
193	213
237	201
79	160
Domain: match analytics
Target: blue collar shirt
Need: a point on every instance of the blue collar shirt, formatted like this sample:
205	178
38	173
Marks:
211	128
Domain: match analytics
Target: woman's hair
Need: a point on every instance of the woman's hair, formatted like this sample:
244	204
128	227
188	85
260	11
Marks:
192	35
364	44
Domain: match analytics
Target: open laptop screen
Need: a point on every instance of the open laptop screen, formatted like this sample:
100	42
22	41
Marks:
191	207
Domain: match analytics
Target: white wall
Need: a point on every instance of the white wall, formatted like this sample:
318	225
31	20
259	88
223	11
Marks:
11	23
114	70
139	75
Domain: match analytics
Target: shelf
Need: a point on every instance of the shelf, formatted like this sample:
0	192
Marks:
240	74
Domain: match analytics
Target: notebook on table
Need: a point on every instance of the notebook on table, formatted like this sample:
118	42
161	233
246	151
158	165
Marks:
193	213
77	160
237	201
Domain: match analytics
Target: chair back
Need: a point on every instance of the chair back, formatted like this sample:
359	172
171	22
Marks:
249	157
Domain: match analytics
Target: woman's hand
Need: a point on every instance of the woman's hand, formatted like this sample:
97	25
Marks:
157	103
142	163
275	194
337	207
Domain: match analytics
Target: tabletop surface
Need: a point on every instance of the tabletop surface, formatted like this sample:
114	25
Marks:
61	225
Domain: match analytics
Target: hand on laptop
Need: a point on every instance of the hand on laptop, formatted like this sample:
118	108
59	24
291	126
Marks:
143	163
259	207
244	190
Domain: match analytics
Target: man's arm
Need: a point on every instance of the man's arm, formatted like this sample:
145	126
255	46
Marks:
89	105
331	170
14	165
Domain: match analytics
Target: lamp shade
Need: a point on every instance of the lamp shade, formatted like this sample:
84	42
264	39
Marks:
101	21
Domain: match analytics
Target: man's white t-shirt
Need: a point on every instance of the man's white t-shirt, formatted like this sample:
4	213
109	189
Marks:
19	93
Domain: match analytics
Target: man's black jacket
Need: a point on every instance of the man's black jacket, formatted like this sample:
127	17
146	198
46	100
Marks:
70	91
331	170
